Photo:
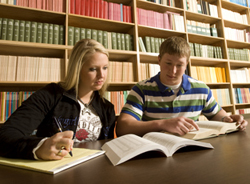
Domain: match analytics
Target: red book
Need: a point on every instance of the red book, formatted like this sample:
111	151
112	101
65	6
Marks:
44	4
72	7
101	9
124	12
55	5
39	4
92	8
111	10
83	7
166	21
87	7
61	7
105	11
97	6
129	16
78	7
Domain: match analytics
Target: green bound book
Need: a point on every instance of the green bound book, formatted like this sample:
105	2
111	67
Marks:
39	32
27	31
88	33
189	28
45	35
56	34
147	43
114	40
127	41
4	28
16	30
105	39
123	42
51	34
157	45
21	30
82	33
71	35
76	35
214	31
33	32
131	45
10	27
152	41
119	42
61	35
94	34
1	20
100	36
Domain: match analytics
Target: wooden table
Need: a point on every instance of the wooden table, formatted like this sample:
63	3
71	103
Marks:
227	163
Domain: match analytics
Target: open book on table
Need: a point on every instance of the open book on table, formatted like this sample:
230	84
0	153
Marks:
128	146
208	129
53	167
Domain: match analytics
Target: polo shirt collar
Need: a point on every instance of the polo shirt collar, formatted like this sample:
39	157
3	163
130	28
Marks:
185	85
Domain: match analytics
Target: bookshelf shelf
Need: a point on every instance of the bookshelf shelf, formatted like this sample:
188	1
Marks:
233	6
136	57
102	24
201	17
31	14
236	25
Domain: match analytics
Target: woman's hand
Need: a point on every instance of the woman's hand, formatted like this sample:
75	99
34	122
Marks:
56	147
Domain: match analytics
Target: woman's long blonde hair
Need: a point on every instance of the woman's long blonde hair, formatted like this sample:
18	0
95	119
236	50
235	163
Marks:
81	52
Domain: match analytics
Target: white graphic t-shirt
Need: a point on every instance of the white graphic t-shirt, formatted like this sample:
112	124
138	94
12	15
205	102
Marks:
89	125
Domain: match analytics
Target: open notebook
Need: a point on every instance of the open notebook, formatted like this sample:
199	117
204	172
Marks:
53	167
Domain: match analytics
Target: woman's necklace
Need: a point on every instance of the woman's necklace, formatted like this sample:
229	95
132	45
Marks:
86	109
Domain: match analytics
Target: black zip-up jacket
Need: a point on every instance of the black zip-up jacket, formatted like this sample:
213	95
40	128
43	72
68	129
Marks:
37	112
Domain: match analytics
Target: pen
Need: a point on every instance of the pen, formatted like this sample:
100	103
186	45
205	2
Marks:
59	126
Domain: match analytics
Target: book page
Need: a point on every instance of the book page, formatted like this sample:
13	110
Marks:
222	127
128	146
172	142
53	167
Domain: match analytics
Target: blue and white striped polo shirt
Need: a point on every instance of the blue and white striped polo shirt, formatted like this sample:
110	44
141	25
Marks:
151	100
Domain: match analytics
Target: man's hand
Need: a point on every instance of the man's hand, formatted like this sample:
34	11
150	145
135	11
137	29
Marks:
179	125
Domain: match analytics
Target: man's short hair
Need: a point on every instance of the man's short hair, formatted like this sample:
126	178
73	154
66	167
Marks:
175	46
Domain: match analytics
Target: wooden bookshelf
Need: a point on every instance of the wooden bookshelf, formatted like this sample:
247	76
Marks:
17	48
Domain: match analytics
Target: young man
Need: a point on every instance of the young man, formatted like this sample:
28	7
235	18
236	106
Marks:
171	101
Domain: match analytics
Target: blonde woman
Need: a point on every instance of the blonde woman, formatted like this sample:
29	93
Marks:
76	105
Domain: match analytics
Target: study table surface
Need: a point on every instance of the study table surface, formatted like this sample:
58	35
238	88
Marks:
228	162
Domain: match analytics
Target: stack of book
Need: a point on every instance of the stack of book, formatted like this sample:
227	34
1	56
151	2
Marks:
10	101
167	20
120	71
24	68
110	40
101	9
30	31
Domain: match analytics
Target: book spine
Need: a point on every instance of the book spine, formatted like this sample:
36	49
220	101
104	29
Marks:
61	35
114	40
100	36
76	35
105	39
82	33
56	34
88	33
33	32
16	30
50	35
21	30
27	31
94	34
70	35
45	35
39	32
10	26
4	28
